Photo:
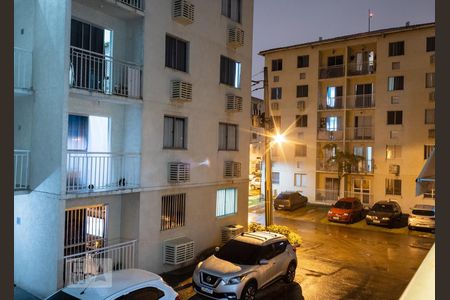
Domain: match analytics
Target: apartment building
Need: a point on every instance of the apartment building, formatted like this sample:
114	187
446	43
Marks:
368	94
131	134
257	136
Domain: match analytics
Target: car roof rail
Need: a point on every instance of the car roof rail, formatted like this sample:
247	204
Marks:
261	238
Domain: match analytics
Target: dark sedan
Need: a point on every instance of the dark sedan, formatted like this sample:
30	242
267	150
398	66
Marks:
384	213
290	200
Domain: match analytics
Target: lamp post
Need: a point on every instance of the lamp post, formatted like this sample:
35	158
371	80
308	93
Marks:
267	157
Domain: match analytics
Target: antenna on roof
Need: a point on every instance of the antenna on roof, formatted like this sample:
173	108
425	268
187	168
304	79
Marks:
407	24
370	17
320	38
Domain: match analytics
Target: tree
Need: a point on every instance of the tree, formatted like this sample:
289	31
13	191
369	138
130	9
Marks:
344	161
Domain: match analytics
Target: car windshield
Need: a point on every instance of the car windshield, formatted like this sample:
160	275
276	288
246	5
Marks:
62	296
239	253
283	196
420	212
343	205
383	207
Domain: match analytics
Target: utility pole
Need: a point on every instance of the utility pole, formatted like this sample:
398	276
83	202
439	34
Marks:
267	158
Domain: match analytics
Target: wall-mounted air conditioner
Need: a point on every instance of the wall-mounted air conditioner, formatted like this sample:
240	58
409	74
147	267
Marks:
230	231
181	91
301	105
235	37
183	12
274	106
179	172
394	169
178	251
232	169
233	103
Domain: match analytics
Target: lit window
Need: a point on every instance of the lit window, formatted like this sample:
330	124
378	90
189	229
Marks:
226	202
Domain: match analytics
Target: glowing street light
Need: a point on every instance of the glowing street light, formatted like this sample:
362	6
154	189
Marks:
279	138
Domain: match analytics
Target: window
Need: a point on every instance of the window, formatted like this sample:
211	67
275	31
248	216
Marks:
173	211
395	100
429	80
393	151
429	116
88	133
228	137
299	179
275	93
432	133
395	65
175	133
395	117
276	177
232	9
302	91
148	293
176	54
430	43
397	48
300	150
303	61
395	83
334	96
230	72
332	123
301	121
393	187
427	150
335	60
302	75
226	202
277	64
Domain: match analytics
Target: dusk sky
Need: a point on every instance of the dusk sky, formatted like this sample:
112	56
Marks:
287	22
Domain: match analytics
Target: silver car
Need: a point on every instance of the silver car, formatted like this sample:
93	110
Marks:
246	263
422	216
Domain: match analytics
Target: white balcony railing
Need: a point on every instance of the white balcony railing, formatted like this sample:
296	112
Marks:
98	171
22	68
21	166
326	196
81	266
361	101
363	68
137	4
329	135
366	198
359	133
104	74
330	103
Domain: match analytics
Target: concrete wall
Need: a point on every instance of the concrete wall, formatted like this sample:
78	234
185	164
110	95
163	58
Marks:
24	14
23	119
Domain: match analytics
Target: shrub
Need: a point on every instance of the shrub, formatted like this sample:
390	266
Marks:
292	237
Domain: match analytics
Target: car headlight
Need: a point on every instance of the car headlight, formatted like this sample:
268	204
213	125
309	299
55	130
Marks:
235	280
329	212
385	219
346	214
369	217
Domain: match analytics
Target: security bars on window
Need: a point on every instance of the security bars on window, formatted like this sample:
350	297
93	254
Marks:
173	211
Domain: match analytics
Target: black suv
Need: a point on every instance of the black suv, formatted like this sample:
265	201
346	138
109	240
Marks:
290	200
384	213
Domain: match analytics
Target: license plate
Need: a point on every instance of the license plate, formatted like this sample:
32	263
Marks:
206	290
281	205
336	218
376	221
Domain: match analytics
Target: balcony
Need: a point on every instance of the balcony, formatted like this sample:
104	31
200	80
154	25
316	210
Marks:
326	196
366	198
324	165
324	134
81	266
362	68
136	4
102	171
359	133
330	103
361	101
21	169
22	69
103	74
363	167
331	71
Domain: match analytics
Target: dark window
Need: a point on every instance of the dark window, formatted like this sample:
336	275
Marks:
228	137
302	90
397	48
343	205
276	177
301	121
420	212
148	293
277	64
77	133
335	60
173	209
303	61
429	116
275	93
427	150
230	72
279	247
175	133
393	187
395	83
232	9
176	54
430	43
395	117
240	253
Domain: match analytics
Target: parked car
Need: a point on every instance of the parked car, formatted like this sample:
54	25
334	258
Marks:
126	284
245	264
346	210
255	183
384	213
290	200
422	216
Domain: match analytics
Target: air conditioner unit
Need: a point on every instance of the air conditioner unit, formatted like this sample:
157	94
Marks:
230	231
274	106
178	251
179	172
183	12
233	103
181	91
394	169
301	105
431	96
432	58
235	37
232	169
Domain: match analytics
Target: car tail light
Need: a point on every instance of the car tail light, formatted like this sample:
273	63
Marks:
177	298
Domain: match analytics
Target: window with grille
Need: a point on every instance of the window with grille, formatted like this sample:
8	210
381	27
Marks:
277	64
430	80
228	137
174	133
427	150
275	177
302	91
432	133
176	54
173	211
429	116
230	72
395	100
430	43
397	48
301	121
226	202
275	93
395	117
299	179
393	151
303	61
302	75
393	187
300	150
232	9
395	83
394	134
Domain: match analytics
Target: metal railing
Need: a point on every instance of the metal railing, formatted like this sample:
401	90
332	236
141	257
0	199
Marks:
363	68
324	165
21	166
96	171
329	135
366	198
329	103
326	196
23	66
331	71
361	101
80	266
359	133
363	166
137	4
104	74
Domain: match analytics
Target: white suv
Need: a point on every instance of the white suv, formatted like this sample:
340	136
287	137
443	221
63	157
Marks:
422	216
246	263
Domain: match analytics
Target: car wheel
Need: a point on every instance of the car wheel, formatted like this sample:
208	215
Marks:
249	292
290	273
